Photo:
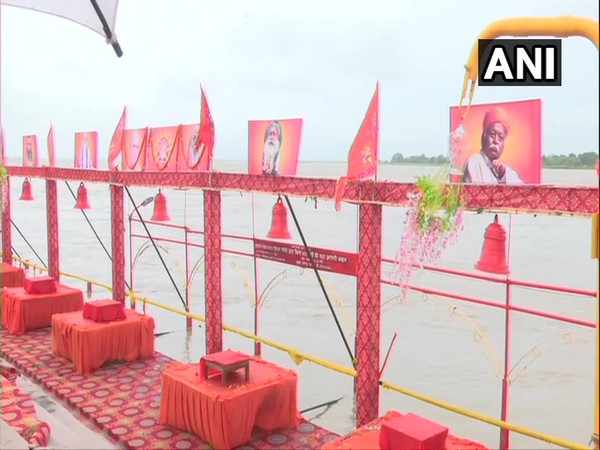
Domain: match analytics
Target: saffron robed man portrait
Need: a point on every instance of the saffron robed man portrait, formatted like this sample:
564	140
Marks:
502	143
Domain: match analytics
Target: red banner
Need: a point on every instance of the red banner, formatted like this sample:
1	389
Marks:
334	261
363	156
30	151
192	157
161	153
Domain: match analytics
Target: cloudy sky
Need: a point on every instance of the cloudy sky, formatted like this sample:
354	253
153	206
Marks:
263	59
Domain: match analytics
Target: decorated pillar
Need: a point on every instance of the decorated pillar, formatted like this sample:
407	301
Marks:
118	243
212	271
366	384
6	225
52	216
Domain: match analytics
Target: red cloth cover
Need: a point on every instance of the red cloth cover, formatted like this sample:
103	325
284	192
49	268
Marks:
40	285
412	432
11	276
367	438
22	311
224	416
104	310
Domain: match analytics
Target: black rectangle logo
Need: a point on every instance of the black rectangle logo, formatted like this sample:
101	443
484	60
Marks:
519	62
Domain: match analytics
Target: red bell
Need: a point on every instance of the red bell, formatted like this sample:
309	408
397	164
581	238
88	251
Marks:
82	198
493	252
26	192
279	226
160	208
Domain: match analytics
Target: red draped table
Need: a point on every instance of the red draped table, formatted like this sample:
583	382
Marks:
11	276
367	438
22	311
89	344
224	416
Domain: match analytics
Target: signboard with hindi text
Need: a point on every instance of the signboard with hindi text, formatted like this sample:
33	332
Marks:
335	261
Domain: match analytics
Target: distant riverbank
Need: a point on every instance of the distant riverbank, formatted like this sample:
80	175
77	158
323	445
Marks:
587	160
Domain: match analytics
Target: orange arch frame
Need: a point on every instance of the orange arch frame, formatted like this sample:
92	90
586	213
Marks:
563	26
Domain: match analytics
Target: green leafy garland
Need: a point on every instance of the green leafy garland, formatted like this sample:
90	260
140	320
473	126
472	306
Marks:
438	204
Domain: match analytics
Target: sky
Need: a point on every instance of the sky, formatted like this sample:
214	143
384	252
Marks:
265	59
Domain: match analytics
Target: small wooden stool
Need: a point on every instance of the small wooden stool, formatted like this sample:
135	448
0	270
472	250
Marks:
225	362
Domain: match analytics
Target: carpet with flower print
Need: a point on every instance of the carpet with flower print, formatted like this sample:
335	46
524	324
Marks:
18	411
123	400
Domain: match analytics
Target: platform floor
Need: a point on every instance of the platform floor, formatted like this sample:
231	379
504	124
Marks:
122	400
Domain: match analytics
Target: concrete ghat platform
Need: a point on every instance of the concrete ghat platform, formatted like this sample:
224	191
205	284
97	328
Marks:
122	401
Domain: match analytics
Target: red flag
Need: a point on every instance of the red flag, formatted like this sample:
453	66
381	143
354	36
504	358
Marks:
364	152
116	143
206	133
50	142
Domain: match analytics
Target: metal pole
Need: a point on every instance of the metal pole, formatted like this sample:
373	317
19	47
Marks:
257	344
505	433
131	299
188	319
147	201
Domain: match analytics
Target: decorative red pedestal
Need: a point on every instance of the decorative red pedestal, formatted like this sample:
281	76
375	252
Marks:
40	285
412	432
104	311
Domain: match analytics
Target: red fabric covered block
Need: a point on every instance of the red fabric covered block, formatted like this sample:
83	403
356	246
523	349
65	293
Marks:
11	276
412	432
104	311
40	285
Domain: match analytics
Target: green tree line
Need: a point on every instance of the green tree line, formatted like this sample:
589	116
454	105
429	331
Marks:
587	160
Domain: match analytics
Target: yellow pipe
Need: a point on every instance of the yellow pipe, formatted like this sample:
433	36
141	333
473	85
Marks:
563	26
483	418
299	357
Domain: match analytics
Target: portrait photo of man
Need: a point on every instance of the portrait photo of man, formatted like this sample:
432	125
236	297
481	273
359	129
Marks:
85	154
272	146
487	166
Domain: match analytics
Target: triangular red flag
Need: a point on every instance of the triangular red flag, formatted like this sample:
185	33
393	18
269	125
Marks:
363	156
50	143
116	143
206	133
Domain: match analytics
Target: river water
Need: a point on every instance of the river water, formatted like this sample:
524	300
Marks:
446	349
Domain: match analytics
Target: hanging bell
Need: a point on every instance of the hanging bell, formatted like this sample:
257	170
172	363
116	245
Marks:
160	208
493	252
82	198
26	191
279	226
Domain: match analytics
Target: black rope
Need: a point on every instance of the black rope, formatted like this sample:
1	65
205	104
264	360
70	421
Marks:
28	244
321	405
314	266
14	250
136	210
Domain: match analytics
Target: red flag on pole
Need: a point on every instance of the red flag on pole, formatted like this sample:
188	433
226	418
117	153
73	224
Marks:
206	134
363	156
116	143
50	143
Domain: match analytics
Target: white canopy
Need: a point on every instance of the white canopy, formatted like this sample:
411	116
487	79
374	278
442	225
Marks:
97	15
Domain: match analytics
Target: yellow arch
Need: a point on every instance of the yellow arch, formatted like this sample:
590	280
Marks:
563	26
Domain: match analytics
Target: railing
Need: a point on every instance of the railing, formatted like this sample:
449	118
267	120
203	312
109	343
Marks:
507	281
298	357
